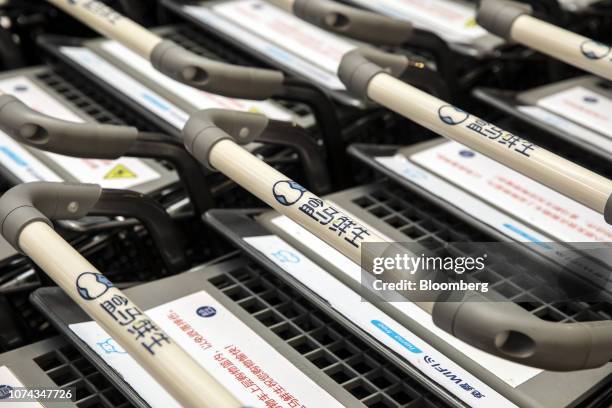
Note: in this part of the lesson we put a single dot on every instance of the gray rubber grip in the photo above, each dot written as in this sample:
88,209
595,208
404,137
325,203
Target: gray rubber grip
359,66
214,76
608,210
497,16
509,331
35,129
43,201
355,23
206,128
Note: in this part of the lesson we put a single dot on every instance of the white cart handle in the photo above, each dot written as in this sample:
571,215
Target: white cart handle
172,59
512,21
363,77
25,212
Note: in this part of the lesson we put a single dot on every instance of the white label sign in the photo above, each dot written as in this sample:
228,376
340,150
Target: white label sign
22,164
454,21
122,173
383,328
127,85
600,141
8,381
280,36
523,198
581,105
576,5
461,199
199,99
227,348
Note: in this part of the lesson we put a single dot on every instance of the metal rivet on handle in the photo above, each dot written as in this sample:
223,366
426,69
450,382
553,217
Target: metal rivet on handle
244,133
73,207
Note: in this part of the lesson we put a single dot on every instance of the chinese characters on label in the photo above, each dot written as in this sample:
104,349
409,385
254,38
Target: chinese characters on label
142,328
288,193
271,393
329,216
454,377
454,116
502,137
102,10
197,338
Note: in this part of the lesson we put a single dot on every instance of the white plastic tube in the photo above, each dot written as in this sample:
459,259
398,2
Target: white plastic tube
574,49
168,363
562,175
112,24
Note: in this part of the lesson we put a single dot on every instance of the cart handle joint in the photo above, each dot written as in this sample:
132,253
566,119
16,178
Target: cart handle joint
353,22
507,330
38,130
360,65
498,16
213,76
43,201
206,128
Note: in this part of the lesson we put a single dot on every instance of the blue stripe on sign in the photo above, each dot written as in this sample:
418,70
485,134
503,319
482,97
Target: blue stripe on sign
14,156
155,101
526,235
396,336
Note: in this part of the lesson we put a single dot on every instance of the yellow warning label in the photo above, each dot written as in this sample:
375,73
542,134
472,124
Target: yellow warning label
120,172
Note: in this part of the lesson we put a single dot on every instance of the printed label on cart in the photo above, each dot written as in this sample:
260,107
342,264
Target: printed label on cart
83,170
22,164
510,202
575,130
583,106
461,199
529,201
9,382
199,99
454,21
227,348
280,36
127,85
382,327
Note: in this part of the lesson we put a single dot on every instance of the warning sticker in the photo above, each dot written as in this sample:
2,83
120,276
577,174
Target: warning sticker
120,172
123,173
83,170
